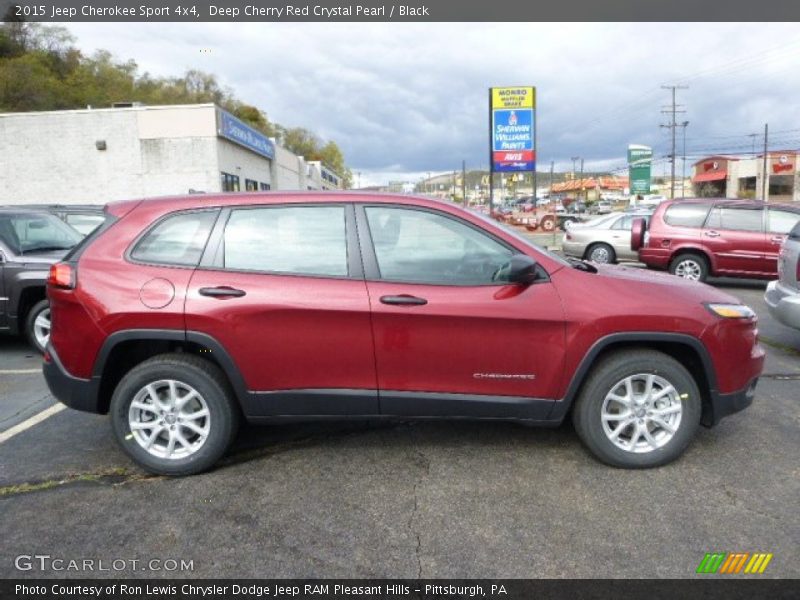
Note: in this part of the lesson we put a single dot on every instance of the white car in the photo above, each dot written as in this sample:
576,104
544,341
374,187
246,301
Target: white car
606,239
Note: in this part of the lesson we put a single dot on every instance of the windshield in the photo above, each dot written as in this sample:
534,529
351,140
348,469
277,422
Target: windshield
525,240
26,233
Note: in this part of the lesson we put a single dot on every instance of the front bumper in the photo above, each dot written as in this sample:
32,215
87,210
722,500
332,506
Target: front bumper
783,304
80,394
723,405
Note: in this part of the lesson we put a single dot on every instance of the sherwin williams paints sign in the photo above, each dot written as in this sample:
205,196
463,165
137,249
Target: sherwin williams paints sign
639,160
513,127
236,131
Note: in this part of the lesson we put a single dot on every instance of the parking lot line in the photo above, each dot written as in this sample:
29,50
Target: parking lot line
28,423
19,371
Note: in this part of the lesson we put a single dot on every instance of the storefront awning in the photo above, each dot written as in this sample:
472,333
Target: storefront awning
715,176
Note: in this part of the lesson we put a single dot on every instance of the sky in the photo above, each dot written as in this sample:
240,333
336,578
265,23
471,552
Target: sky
403,100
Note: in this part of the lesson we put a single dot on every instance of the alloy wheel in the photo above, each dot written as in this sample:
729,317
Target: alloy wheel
169,419
641,413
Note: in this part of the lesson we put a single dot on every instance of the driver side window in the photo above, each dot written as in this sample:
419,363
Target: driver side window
418,246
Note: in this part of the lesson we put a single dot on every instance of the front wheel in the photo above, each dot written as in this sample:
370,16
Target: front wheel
174,414
638,409
37,325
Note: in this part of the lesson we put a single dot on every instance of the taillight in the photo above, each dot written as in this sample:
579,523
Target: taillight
62,275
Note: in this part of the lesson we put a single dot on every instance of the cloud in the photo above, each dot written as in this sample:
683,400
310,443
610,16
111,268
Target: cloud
406,99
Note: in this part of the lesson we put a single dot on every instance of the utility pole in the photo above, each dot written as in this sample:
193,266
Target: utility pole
574,160
672,125
765,177
683,166
552,169
580,183
464,181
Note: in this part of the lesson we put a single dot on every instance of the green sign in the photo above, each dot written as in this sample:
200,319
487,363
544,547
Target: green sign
639,159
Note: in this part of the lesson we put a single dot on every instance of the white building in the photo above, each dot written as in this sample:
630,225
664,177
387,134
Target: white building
100,155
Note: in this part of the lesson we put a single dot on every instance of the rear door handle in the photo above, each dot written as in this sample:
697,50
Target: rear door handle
403,300
778,239
222,291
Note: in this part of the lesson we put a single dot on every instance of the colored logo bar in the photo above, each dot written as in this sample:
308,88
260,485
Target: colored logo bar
732,563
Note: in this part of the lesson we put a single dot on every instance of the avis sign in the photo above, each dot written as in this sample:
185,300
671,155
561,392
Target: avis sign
513,127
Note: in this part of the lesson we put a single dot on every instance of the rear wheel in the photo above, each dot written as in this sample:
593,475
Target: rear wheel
601,253
174,414
638,409
37,325
690,266
548,223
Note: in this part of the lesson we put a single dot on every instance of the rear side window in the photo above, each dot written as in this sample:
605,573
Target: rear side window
177,240
686,215
781,221
299,240
794,234
736,219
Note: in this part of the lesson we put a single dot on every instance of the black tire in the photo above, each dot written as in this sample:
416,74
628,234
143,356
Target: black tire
690,265
40,309
605,377
601,253
201,375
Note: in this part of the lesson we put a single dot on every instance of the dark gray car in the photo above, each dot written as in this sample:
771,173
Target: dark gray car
783,296
30,241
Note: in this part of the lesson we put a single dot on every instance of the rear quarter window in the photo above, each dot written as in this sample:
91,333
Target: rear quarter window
686,215
177,240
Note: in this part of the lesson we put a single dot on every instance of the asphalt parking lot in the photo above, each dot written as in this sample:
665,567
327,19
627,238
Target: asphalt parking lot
433,499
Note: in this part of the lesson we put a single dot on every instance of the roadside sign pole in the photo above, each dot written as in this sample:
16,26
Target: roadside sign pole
491,156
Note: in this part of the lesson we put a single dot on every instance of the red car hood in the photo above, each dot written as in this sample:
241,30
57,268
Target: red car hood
672,284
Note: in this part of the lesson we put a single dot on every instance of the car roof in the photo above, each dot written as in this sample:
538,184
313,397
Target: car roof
736,202
188,201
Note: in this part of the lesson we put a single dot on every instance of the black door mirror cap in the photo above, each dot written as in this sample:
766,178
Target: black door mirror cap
524,270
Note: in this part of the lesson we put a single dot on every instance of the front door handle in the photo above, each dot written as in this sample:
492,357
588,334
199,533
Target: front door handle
712,234
222,291
403,300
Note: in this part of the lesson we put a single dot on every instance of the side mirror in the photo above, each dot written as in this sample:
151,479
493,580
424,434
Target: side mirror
522,269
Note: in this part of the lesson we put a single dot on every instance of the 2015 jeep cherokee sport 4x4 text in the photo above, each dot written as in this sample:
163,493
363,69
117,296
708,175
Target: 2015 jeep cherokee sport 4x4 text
179,316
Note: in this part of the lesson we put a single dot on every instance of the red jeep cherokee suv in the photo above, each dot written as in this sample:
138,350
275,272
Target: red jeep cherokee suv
699,237
180,316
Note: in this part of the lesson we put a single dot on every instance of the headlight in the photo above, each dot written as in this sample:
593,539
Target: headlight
731,311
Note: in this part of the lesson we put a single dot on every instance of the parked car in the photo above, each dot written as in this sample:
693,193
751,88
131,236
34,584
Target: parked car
285,306
83,218
604,207
605,239
30,241
699,237
783,296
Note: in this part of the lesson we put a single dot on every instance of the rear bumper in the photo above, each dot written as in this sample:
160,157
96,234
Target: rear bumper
723,405
80,394
783,304
573,249
655,258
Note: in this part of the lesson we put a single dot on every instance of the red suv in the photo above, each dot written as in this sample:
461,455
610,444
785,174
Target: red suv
179,316
720,237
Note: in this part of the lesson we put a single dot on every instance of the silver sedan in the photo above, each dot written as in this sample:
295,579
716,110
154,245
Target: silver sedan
606,239
783,296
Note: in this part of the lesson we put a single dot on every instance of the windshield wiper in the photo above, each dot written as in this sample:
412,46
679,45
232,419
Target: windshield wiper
582,265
